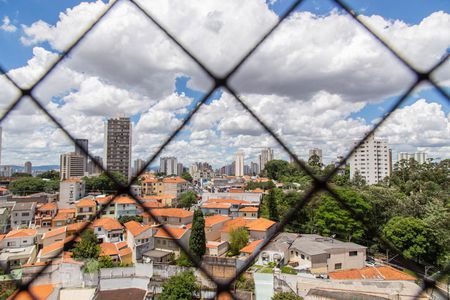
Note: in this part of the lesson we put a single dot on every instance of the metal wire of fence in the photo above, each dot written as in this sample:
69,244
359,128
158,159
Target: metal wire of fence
318,184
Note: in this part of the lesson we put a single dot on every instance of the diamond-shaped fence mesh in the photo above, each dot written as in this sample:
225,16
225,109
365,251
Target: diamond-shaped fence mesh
318,184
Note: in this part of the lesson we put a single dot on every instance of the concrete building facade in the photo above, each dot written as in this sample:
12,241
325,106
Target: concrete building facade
117,146
72,165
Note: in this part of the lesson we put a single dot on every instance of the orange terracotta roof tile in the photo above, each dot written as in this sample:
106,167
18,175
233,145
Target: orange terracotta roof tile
158,197
251,247
108,249
125,251
86,203
52,248
39,292
54,232
174,180
125,200
107,223
249,209
152,204
48,206
260,224
257,190
236,191
76,226
150,180
104,200
232,201
372,273
234,224
136,228
121,245
21,233
212,220
172,212
216,205
176,232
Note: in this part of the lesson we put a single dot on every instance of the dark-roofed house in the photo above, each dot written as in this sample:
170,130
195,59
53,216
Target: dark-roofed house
322,254
22,214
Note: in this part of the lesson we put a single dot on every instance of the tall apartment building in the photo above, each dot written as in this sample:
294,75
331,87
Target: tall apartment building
265,156
28,167
420,157
138,165
71,165
84,143
93,168
239,164
118,146
318,152
168,165
372,160
70,190
180,169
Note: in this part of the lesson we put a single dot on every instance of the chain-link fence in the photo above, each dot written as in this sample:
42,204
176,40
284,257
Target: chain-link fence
318,184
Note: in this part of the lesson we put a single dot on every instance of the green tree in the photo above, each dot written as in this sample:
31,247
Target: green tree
276,168
183,260
238,240
187,199
197,240
413,237
272,205
103,183
182,286
286,296
20,174
88,247
27,185
106,261
51,174
314,161
186,176
330,217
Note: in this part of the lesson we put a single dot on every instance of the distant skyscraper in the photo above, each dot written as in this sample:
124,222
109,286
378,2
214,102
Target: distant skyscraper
179,169
239,164
93,168
168,165
138,165
118,146
254,168
84,145
265,156
28,167
420,157
371,160
318,152
71,165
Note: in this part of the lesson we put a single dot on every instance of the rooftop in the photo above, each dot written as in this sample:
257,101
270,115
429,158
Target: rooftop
86,203
21,233
373,273
24,206
260,224
171,212
212,220
249,209
176,232
251,247
48,206
39,292
136,228
313,244
107,223
54,232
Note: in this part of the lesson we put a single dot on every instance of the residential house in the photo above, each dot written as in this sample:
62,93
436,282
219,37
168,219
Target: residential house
165,242
18,248
250,248
151,186
119,252
165,199
125,206
231,225
53,236
64,217
277,250
261,228
85,209
174,186
51,251
322,254
172,216
248,212
213,208
22,214
139,238
45,214
108,230
213,225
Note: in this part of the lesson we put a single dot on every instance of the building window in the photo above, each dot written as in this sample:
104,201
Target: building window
302,256
353,253
338,266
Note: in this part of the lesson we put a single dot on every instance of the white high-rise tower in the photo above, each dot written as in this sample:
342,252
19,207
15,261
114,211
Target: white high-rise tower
239,164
